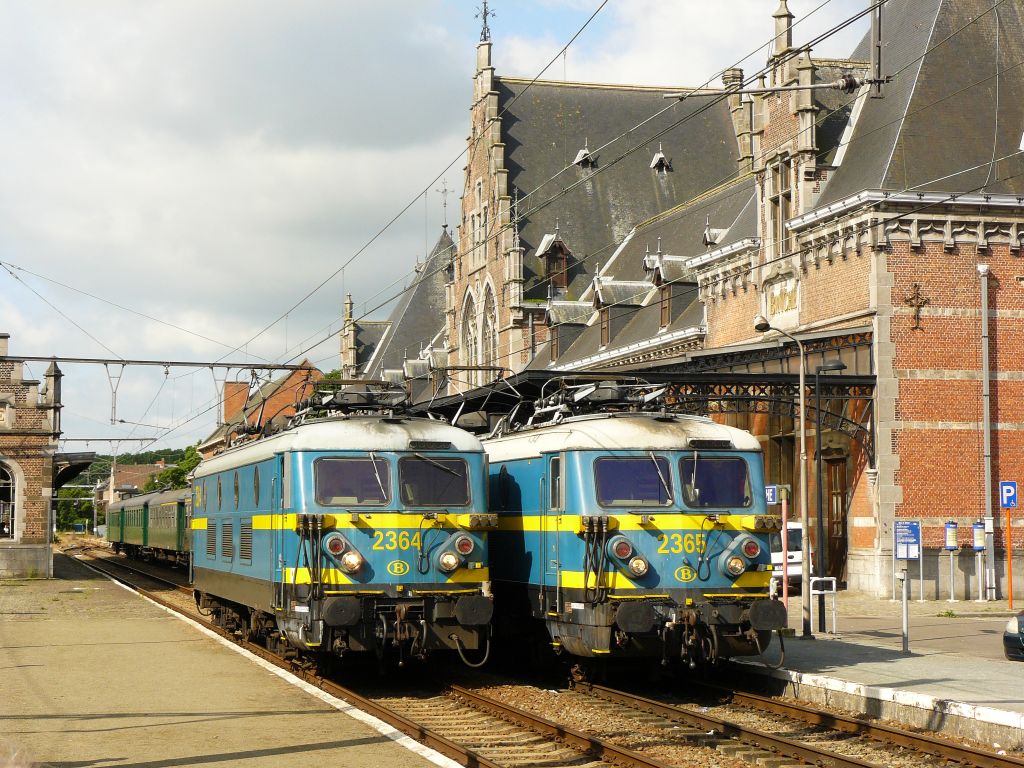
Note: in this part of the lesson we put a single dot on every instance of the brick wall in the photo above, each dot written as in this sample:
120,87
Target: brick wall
27,457
938,429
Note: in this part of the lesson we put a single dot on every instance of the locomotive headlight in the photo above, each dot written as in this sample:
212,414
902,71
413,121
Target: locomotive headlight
448,561
735,565
351,561
464,545
621,548
638,566
751,548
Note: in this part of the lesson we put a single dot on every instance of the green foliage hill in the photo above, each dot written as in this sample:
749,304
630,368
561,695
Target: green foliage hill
177,475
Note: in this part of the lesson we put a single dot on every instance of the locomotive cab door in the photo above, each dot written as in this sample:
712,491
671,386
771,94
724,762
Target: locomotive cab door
275,541
552,505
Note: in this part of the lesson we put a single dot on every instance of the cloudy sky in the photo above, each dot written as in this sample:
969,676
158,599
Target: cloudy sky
209,163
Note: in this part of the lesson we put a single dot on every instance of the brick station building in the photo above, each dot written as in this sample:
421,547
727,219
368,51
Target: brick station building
31,468
869,228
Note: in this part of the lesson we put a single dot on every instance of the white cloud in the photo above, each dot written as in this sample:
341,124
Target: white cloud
211,162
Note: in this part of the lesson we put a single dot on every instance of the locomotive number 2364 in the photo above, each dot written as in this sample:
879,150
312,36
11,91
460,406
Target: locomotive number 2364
392,540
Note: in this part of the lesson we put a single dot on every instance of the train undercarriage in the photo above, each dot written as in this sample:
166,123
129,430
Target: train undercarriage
396,631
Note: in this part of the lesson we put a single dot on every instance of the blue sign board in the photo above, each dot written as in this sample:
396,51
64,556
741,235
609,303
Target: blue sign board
1007,494
907,538
771,494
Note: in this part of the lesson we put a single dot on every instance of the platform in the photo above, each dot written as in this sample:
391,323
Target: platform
955,678
94,675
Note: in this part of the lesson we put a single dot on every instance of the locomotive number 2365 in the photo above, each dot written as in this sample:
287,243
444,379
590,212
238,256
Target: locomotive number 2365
676,543
392,540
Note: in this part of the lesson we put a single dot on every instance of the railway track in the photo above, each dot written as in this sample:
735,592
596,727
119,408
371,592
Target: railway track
456,730
102,553
476,728
815,746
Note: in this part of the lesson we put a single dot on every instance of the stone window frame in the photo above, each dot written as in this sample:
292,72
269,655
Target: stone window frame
469,336
8,516
489,329
779,204
665,304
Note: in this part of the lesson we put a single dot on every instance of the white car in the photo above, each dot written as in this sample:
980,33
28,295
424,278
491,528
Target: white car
794,554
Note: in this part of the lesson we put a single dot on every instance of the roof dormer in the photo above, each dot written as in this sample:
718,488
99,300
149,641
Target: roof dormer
659,162
583,158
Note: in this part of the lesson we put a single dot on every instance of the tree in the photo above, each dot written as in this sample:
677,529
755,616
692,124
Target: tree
176,476
74,505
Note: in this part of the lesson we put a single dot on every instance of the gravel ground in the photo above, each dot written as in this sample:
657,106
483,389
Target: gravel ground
585,714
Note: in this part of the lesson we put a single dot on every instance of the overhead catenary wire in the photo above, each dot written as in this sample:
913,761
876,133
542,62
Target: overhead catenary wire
408,205
791,255
898,72
715,100
476,140
328,339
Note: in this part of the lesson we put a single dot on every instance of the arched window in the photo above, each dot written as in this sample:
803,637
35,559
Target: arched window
489,335
470,342
6,503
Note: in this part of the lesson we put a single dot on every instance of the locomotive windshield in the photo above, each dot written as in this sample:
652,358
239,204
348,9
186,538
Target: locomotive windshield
640,481
349,481
433,482
715,481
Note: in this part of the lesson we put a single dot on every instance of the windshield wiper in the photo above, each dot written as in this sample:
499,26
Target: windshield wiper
376,474
437,464
664,482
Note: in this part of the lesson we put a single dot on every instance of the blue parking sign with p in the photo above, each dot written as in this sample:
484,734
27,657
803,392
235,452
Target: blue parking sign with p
1007,494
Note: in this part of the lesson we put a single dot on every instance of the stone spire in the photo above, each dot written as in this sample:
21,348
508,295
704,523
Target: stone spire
783,28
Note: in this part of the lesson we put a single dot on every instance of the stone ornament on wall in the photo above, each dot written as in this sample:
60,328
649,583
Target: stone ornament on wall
781,300
918,302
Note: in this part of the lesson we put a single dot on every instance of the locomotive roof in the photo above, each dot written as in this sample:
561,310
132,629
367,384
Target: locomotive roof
617,432
156,497
354,433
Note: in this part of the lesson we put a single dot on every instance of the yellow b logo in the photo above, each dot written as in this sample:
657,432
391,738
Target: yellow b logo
685,573
398,568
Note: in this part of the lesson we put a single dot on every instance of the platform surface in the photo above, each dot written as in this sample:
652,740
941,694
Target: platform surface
956,651
93,675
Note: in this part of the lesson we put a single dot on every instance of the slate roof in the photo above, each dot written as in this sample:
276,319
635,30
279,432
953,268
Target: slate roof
544,130
730,207
681,229
939,115
419,315
571,312
834,107
621,292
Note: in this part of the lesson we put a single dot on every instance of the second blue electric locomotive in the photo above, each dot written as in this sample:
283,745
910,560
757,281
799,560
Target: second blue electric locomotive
629,531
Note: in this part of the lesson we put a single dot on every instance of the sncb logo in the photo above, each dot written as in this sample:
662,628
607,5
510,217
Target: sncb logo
398,568
685,573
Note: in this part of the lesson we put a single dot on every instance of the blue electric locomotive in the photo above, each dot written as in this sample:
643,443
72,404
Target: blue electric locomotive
630,531
354,529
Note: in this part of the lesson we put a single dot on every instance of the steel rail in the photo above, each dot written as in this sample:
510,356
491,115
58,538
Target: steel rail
132,569
920,742
775,744
426,736
576,739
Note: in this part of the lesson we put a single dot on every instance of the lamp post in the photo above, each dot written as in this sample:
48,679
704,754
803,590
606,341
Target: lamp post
761,325
831,365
